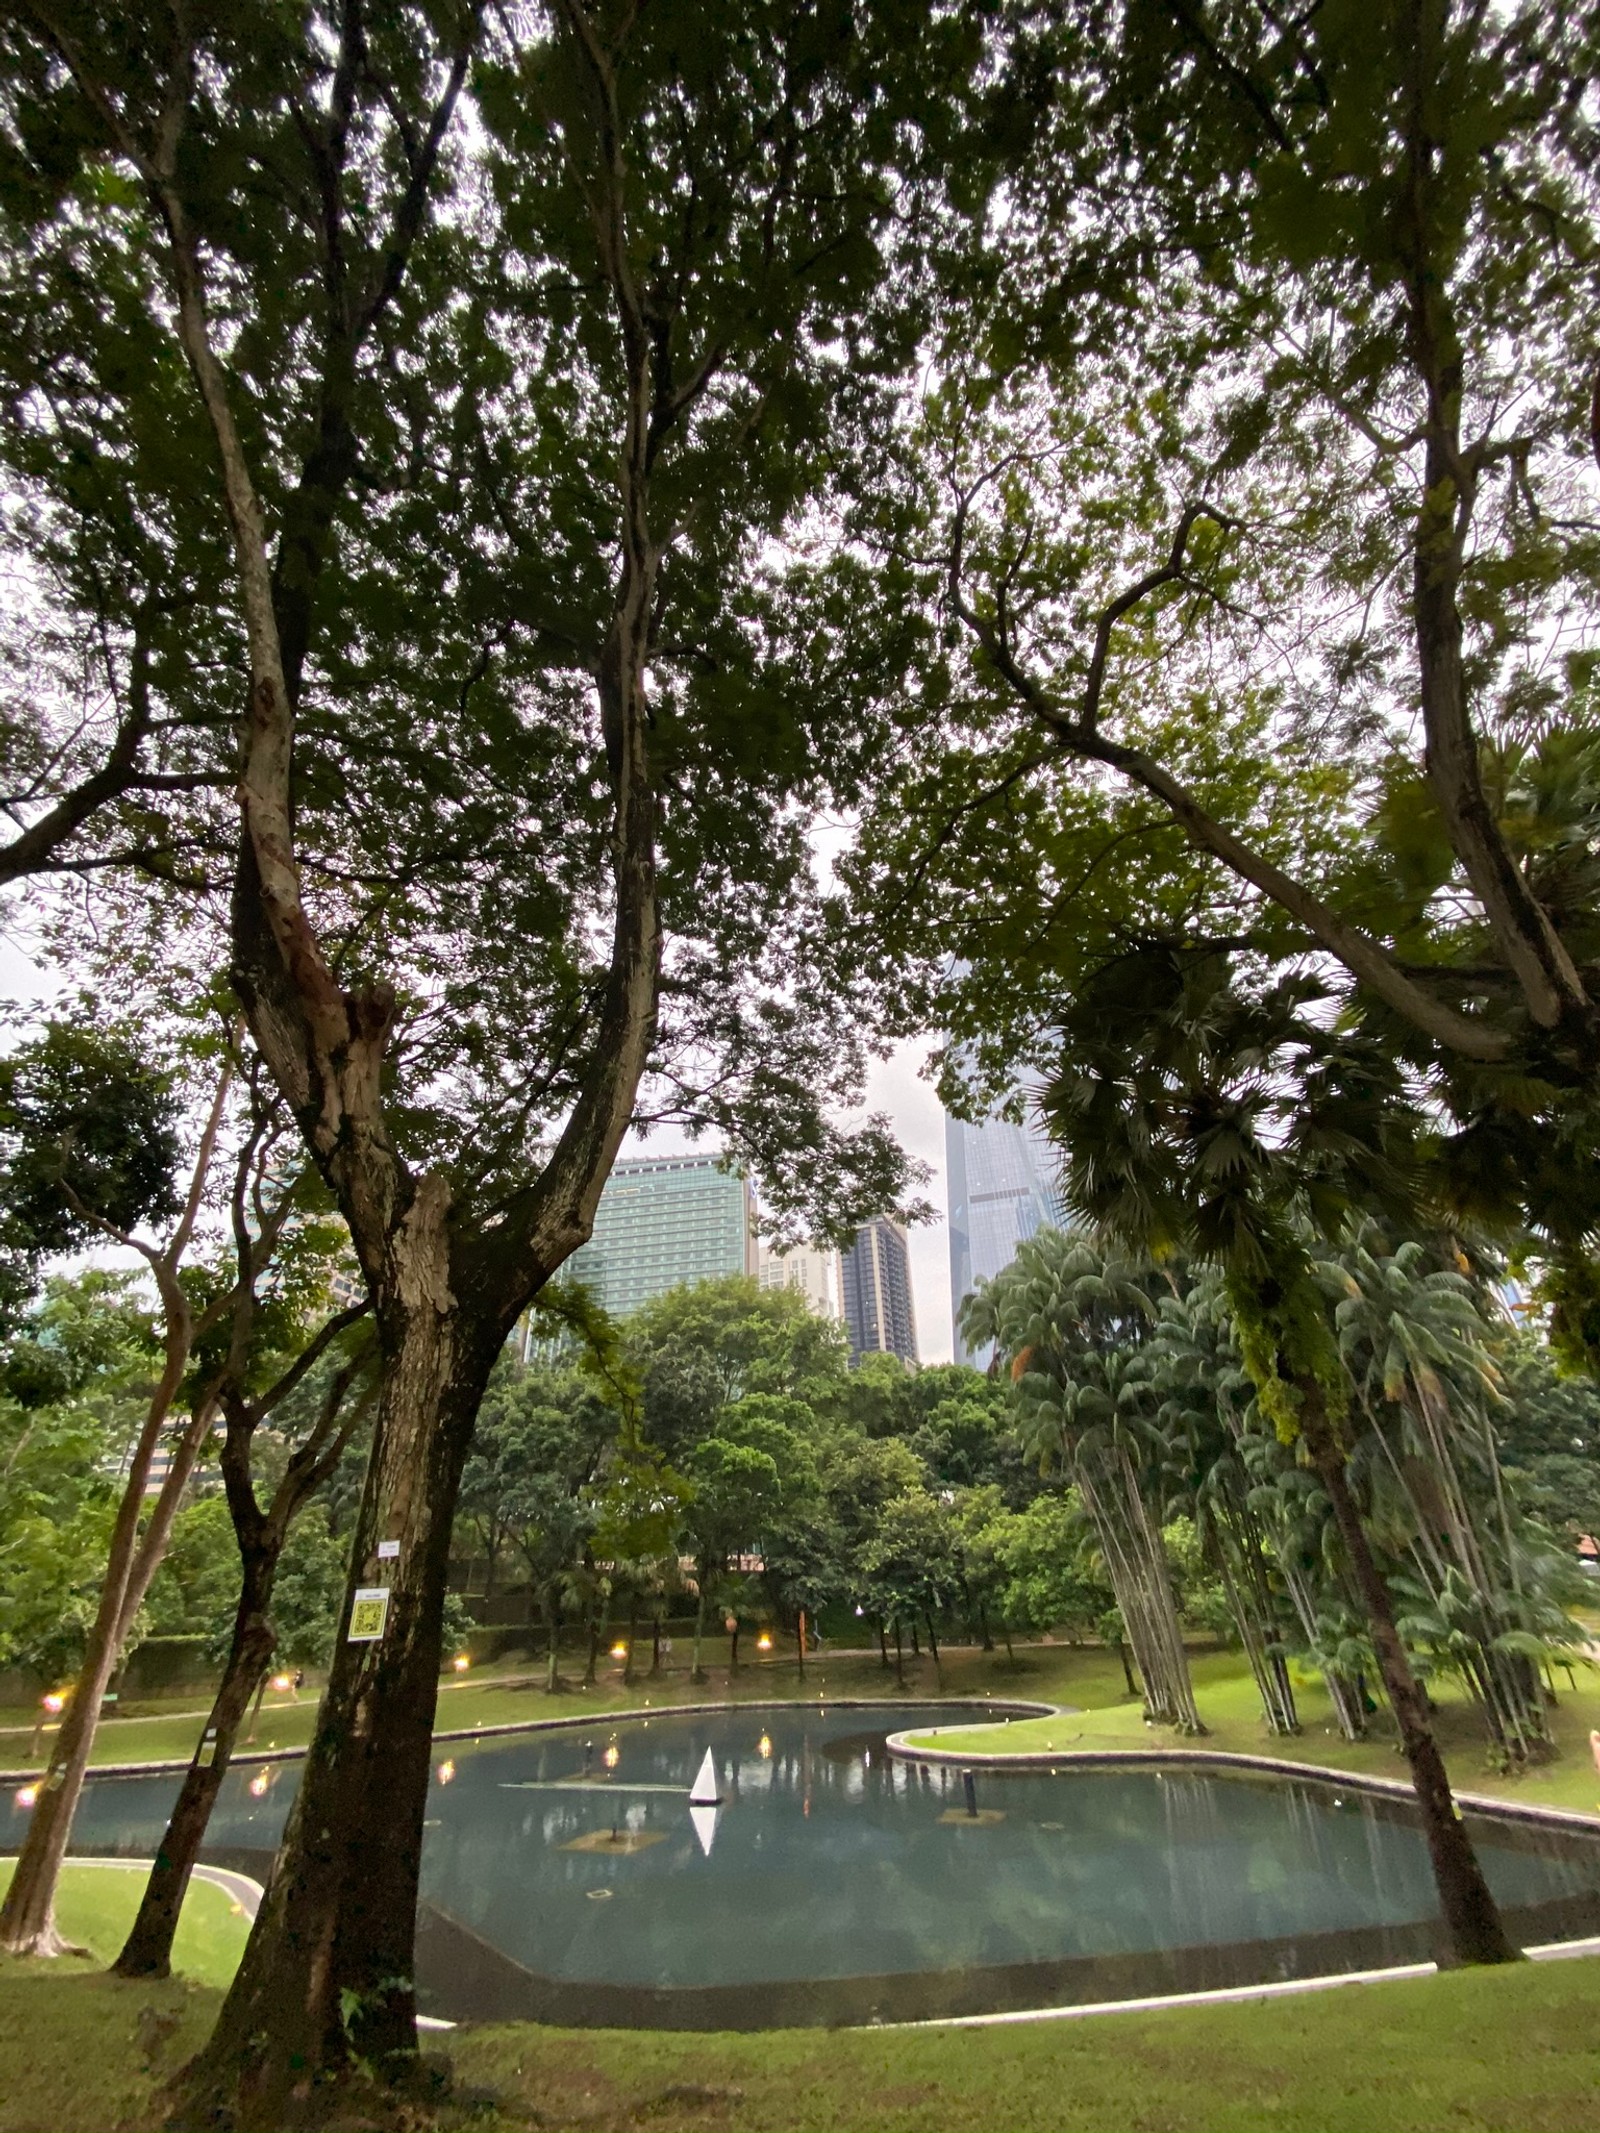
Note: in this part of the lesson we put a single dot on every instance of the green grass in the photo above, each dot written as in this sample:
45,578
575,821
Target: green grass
95,1906
1510,2051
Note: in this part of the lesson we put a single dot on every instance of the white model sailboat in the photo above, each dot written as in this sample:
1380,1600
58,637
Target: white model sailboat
704,1800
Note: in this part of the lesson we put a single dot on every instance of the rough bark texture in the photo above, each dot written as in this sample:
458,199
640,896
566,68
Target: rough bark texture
147,1952
1474,1930
327,1975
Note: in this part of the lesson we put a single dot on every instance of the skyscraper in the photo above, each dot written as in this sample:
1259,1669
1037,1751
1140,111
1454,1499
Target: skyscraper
663,1220
810,1268
1002,1188
877,1292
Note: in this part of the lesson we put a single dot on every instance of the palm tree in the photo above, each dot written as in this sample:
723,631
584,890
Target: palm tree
1207,1113
1071,1319
1415,1341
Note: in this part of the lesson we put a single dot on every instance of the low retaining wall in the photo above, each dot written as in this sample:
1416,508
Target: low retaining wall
900,1746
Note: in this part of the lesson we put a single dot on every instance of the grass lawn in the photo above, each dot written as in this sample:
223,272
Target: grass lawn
95,1906
1503,2051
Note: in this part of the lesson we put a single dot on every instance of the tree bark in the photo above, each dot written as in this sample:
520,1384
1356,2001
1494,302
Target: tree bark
147,1952
326,1978
696,1670
1474,1929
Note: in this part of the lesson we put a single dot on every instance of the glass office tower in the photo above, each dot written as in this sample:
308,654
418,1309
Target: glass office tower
1001,1182
663,1220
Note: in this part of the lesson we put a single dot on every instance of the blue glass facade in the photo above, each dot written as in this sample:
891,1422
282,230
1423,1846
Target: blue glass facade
1001,1184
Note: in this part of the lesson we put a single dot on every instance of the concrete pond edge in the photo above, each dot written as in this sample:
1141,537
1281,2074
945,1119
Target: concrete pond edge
902,1747
176,1765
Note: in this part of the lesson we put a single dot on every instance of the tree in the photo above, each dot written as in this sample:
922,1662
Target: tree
910,1566
1041,1578
737,1485
1072,1319
1200,1117
88,1144
74,1378
716,379
699,1348
139,1530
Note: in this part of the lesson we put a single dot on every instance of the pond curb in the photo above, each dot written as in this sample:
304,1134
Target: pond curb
174,1765
900,1746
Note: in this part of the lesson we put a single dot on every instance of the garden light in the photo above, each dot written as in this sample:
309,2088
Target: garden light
612,1756
764,1748
446,1772
259,1784
27,1795
764,1642
461,1662
56,1702
619,1651
282,1682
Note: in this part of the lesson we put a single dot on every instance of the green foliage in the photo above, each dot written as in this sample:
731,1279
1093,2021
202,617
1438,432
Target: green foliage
1043,1582
88,1142
309,1593
73,1373
196,1590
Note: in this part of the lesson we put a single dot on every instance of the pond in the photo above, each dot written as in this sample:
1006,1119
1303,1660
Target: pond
566,1877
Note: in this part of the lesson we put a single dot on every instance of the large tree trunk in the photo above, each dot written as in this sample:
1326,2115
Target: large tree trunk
326,1979
147,1951
1473,1925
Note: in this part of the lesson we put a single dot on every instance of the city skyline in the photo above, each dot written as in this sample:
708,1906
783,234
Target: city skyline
664,1220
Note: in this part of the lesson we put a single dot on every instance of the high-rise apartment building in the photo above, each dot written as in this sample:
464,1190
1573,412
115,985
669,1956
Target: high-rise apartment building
810,1268
876,1282
1001,1183
664,1220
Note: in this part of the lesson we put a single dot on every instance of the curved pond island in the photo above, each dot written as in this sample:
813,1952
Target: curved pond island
568,1878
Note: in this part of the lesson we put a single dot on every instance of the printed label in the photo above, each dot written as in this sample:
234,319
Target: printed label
369,1614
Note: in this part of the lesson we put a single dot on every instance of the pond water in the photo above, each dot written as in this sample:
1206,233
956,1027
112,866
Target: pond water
835,1883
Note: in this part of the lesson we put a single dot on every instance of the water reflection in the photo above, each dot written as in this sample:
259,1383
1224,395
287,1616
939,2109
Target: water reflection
827,1859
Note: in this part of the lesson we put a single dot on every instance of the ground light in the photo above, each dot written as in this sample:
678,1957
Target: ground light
461,1662
619,1651
764,1642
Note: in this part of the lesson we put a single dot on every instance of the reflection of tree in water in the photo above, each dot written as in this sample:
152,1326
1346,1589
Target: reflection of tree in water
1197,1850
